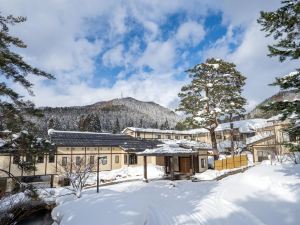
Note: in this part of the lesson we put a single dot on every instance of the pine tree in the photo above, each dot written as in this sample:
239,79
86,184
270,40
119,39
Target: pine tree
180,126
116,128
14,68
13,109
166,125
141,123
96,124
283,25
210,95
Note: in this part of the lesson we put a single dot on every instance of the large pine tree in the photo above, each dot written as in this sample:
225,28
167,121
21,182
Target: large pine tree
13,109
215,91
283,26
14,69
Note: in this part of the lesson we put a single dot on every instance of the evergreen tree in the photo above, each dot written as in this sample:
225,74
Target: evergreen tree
180,126
116,128
155,125
13,109
53,123
96,124
210,94
13,68
141,123
166,125
130,124
283,25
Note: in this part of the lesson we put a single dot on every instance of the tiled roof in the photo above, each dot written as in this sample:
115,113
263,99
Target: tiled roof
88,139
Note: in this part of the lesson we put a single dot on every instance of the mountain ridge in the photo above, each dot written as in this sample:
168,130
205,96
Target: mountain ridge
107,116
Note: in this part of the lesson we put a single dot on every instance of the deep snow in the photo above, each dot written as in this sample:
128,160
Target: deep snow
264,194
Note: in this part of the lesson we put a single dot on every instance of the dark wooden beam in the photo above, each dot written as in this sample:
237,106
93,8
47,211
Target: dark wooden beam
172,167
145,169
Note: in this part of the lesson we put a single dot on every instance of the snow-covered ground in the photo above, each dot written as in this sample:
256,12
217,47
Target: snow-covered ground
126,173
264,194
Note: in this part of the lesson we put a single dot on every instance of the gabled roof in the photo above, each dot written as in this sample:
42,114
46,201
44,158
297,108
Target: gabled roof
259,137
90,139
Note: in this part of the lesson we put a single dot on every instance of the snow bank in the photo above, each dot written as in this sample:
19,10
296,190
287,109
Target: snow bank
263,194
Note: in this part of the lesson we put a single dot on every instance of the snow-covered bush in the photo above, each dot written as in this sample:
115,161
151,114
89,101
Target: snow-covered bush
77,173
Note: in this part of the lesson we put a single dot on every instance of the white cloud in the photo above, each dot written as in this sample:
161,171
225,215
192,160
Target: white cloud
160,88
114,57
252,60
190,32
160,56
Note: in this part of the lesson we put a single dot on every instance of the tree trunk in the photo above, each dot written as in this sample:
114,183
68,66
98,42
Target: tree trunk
213,139
231,135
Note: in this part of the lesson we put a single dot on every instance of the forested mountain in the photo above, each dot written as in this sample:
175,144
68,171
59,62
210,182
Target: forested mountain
107,116
257,112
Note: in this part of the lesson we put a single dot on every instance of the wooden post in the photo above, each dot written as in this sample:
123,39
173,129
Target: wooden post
51,180
145,169
98,162
192,164
172,167
166,164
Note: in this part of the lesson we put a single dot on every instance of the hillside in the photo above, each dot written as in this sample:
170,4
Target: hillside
107,116
280,96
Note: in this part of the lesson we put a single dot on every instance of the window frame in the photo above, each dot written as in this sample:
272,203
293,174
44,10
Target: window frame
117,159
64,161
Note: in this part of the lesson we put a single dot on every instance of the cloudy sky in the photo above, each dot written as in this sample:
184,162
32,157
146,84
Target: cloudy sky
99,50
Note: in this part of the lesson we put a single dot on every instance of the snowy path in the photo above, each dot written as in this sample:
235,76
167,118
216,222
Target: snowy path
262,195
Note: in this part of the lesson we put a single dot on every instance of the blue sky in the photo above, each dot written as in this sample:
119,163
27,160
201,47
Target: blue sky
99,50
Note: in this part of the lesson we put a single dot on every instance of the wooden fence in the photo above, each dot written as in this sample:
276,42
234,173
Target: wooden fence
231,162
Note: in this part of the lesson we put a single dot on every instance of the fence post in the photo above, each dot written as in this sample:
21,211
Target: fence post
241,160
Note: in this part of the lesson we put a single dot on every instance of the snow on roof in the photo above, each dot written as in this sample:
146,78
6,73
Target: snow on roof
2,142
259,137
274,118
244,126
52,131
150,130
176,147
224,145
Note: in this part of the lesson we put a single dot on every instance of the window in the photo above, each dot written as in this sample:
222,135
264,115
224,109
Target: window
159,136
64,161
51,158
218,136
82,148
72,148
117,159
92,160
16,159
202,163
186,137
78,160
132,159
68,148
125,159
40,158
103,160
87,148
138,134
168,136
177,137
